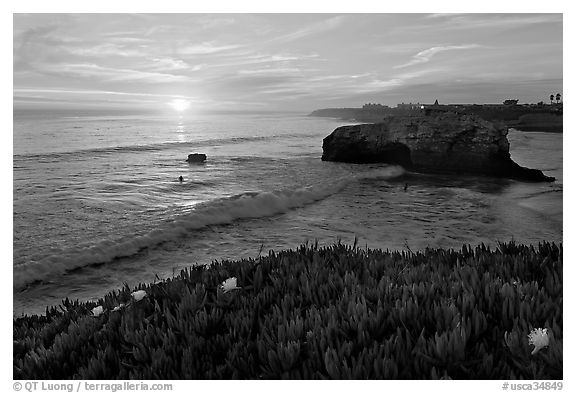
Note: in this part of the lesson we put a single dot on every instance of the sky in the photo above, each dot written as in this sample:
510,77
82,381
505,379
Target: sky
273,62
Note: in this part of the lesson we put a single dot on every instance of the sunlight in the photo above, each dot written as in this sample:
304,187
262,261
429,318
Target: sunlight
179,105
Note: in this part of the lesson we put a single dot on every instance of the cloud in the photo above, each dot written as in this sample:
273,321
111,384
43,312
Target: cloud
172,64
443,15
315,28
242,59
377,84
307,59
91,101
109,74
268,71
122,39
94,97
32,92
348,85
34,44
205,48
278,58
106,50
425,55
485,21
341,77
217,22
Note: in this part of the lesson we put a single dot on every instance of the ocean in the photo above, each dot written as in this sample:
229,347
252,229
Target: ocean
98,203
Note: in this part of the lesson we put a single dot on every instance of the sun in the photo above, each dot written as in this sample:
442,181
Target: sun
179,104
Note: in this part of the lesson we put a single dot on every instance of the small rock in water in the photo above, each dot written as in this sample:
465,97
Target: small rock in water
196,157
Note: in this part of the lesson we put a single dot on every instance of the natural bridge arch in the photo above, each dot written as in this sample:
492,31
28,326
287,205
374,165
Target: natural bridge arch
396,153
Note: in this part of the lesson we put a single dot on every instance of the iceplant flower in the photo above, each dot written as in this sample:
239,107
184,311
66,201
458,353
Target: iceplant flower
118,307
97,311
539,338
230,284
138,295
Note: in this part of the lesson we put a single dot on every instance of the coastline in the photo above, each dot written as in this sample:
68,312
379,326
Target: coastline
521,119
333,312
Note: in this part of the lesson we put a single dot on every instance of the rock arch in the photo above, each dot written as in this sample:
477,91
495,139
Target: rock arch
396,153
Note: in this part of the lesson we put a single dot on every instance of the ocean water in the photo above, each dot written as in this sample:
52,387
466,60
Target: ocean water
97,201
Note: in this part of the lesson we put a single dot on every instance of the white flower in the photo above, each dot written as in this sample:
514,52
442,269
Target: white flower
538,338
96,311
230,284
138,295
118,307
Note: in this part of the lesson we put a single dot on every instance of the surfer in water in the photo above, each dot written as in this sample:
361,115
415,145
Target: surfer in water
181,179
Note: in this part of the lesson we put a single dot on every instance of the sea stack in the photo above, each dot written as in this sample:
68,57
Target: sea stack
442,142
196,157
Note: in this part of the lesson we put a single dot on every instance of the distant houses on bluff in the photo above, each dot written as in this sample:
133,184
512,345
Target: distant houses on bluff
527,117
555,106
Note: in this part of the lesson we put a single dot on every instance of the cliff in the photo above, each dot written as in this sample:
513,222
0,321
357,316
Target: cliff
441,143
546,122
521,117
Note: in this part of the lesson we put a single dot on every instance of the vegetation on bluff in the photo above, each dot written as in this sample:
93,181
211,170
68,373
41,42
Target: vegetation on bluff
544,118
334,312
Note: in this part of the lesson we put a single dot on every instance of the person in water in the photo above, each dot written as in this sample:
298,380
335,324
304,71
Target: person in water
405,186
181,179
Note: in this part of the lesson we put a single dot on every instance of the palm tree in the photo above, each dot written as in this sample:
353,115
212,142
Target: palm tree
551,99
558,96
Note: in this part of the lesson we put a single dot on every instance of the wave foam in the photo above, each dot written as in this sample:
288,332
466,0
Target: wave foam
216,212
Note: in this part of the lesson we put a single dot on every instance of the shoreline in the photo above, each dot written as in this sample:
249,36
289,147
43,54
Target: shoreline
314,313
521,119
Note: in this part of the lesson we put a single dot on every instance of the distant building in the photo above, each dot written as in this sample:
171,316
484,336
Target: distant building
409,106
510,102
371,106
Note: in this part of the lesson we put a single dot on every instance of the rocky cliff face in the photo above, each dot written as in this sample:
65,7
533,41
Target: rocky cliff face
445,142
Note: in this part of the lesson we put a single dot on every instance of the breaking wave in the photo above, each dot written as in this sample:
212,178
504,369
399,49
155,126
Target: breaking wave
216,212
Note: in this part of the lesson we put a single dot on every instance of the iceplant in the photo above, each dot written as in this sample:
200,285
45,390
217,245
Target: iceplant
97,311
138,295
230,284
539,338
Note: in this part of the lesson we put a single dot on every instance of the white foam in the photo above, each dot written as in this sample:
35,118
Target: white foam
216,212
